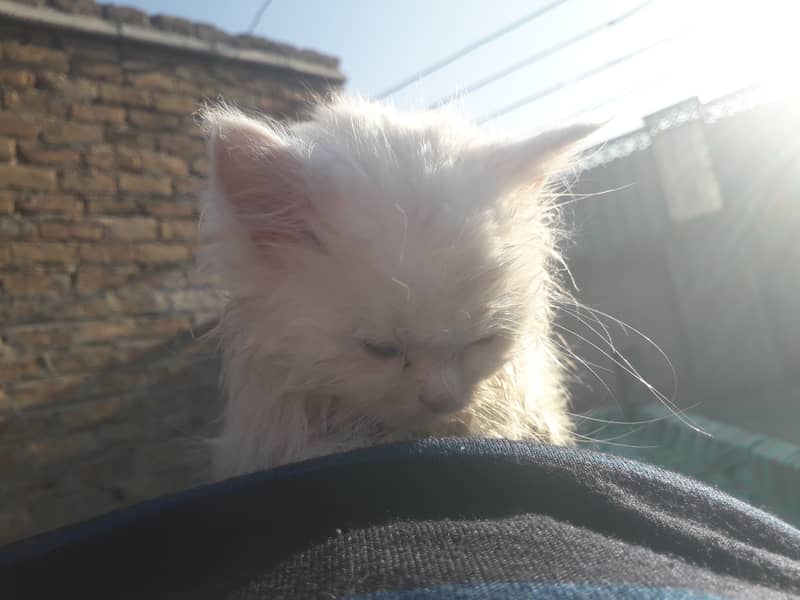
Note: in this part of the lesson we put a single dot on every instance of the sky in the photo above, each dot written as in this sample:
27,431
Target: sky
718,46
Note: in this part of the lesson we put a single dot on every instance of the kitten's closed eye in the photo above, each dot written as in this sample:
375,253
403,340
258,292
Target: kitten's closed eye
380,350
485,341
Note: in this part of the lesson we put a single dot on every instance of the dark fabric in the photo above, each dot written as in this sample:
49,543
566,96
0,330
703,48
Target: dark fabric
435,519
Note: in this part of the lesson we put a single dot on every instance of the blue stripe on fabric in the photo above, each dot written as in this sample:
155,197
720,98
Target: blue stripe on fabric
536,591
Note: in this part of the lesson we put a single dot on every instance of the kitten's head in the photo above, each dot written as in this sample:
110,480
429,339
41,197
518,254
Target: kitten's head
392,261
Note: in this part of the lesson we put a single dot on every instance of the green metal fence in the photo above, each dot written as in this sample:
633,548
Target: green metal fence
758,469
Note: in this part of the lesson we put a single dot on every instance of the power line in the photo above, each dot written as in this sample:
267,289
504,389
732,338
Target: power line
469,48
257,17
578,114
538,56
585,75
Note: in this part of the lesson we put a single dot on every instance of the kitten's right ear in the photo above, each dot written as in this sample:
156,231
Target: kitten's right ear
530,161
256,173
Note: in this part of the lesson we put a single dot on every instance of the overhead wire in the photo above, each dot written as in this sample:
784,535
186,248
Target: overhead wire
538,56
422,73
578,78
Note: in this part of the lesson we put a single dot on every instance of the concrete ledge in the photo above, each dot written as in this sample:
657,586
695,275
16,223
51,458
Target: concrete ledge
134,33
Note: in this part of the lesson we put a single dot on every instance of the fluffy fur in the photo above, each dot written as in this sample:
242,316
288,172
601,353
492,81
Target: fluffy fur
388,277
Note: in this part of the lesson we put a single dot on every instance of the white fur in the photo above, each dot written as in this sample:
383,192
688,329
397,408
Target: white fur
410,229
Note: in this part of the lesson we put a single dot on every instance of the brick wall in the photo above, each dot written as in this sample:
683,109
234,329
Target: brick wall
105,390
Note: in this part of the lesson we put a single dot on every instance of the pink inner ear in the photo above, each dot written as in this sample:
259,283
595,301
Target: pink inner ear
260,179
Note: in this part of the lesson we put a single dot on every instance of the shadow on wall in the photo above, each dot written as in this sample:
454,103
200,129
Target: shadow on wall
111,412
104,389
696,247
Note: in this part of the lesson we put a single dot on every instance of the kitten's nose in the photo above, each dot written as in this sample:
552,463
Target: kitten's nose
443,403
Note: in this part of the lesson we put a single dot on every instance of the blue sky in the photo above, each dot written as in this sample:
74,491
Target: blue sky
380,42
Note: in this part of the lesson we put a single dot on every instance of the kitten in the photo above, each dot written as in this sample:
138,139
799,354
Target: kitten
388,277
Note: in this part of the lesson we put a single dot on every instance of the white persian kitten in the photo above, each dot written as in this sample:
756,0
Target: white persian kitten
388,277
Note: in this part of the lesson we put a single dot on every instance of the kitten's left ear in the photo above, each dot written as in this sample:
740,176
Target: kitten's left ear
530,161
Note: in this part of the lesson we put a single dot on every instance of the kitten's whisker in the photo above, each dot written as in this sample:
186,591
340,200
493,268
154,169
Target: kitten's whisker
405,233
655,346
404,286
591,370
628,368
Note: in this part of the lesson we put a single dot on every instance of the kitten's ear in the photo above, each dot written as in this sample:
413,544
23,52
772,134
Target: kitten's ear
530,161
256,173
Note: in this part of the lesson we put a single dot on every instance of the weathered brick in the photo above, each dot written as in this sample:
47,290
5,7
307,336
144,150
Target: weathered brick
191,300
107,254
131,229
165,279
121,432
86,308
30,282
67,87
100,157
175,104
90,49
6,202
98,113
54,449
134,137
44,155
171,208
15,427
173,24
163,253
200,166
139,301
80,7
153,120
125,95
89,358
178,230
134,159
35,102
17,229
92,358
65,132
181,145
90,279
18,78
210,33
34,55
43,253
21,368
145,184
112,205
190,185
155,80
92,182
7,149
126,14
22,177
53,204
71,230
160,326
91,413
18,126
37,393
54,335
98,71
